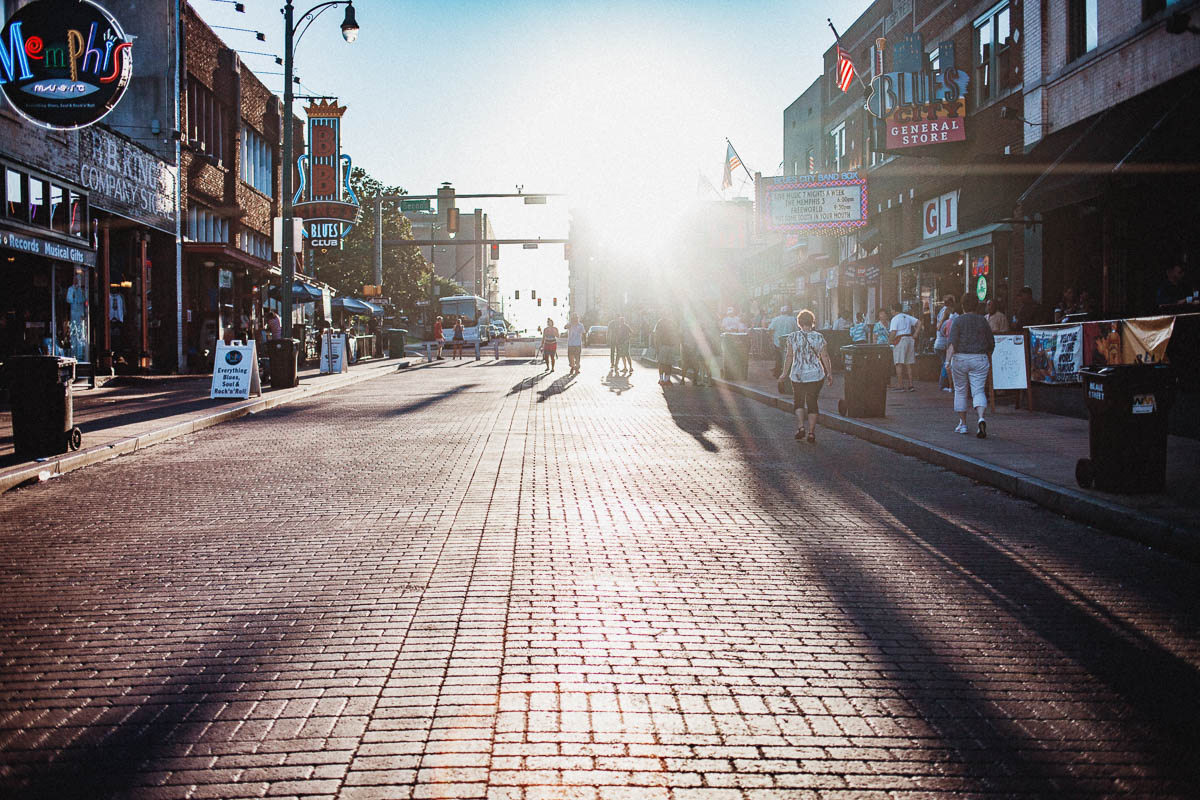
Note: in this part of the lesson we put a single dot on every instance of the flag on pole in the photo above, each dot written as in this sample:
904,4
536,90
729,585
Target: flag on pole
732,162
845,70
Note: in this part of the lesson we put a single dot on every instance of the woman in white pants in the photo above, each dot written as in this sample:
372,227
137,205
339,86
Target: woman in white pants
971,346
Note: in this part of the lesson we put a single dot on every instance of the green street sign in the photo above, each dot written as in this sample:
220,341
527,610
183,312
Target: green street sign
414,205
981,288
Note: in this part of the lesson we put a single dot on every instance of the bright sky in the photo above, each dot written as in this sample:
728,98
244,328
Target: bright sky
620,104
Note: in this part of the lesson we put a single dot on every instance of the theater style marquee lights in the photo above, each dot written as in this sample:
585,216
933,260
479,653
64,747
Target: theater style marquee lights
64,64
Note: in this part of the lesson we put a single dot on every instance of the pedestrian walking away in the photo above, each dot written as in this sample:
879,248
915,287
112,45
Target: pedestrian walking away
781,326
574,343
439,338
624,336
946,315
971,346
458,337
613,348
549,345
807,361
666,346
904,329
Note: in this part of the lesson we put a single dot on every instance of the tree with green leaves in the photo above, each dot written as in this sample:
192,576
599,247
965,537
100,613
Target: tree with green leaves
405,271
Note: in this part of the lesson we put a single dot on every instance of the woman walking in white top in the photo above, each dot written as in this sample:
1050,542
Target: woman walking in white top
807,360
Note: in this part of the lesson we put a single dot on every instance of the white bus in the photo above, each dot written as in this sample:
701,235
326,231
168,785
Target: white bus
476,317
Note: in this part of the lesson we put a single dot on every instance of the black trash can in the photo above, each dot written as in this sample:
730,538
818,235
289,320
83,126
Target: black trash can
1128,407
395,339
284,355
868,368
42,405
735,355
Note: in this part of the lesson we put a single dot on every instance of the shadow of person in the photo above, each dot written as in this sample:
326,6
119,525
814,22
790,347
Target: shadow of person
558,387
617,384
527,383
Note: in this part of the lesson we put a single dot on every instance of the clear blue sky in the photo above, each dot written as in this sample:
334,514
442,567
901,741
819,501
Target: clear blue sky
620,104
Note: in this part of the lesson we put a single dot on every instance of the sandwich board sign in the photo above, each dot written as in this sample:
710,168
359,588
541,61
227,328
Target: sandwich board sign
333,353
1008,363
235,371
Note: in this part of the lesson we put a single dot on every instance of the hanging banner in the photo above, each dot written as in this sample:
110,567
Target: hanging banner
64,65
1144,340
235,371
1008,363
1056,353
325,200
333,353
1102,343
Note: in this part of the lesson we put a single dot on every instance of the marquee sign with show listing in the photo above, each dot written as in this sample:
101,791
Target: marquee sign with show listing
325,200
918,105
64,64
830,203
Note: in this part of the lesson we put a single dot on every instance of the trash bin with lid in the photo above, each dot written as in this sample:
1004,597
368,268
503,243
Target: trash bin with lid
1128,407
395,339
42,405
284,355
867,371
735,355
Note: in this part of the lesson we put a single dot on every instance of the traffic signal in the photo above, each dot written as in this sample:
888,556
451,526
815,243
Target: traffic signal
555,301
495,252
566,251
533,294
516,294
452,220
539,303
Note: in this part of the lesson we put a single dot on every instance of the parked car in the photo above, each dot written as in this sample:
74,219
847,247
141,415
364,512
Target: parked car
597,334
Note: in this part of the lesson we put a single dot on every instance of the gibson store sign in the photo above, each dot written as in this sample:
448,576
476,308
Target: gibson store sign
64,64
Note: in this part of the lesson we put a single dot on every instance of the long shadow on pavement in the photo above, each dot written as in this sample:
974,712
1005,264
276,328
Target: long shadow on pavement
558,387
1003,738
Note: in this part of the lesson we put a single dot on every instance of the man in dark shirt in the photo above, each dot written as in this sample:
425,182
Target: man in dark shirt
1028,312
1175,289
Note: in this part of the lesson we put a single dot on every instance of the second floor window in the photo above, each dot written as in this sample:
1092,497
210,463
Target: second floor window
993,50
206,121
1083,30
255,244
837,148
258,162
205,226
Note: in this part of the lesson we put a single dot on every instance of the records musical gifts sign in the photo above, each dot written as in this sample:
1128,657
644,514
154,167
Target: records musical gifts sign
64,64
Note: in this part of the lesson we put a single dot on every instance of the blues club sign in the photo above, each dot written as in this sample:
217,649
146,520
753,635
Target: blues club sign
64,64
325,200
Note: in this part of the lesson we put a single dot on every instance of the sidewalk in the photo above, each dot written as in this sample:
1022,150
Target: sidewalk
130,413
1028,454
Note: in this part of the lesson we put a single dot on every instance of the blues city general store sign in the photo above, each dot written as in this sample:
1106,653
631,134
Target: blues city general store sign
325,200
64,64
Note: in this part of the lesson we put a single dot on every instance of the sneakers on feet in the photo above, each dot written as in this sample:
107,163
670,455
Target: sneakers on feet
947,389
981,431
962,428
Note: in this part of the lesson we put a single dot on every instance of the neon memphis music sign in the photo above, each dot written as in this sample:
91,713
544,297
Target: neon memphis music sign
64,64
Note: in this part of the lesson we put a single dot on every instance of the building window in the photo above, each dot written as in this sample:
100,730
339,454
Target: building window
255,244
1082,28
39,212
206,121
258,161
78,221
58,208
1152,7
993,50
205,226
935,59
837,147
16,204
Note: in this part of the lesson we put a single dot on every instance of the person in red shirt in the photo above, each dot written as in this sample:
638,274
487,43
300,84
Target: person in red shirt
439,341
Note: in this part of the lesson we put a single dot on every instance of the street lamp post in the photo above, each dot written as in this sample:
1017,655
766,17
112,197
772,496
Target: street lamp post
349,33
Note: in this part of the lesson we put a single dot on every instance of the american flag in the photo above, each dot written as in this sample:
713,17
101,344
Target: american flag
845,70
732,162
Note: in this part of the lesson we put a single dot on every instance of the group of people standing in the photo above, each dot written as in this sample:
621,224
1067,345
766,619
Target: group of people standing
439,337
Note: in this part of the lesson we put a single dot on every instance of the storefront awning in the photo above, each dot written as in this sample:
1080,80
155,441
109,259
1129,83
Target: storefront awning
301,292
951,244
353,306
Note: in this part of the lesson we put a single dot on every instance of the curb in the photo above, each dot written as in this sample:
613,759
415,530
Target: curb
1128,523
61,465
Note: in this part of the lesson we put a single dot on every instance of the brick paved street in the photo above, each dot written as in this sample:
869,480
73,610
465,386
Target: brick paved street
473,579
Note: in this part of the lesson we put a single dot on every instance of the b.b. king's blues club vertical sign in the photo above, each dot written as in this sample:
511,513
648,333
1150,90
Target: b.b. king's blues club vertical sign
325,200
